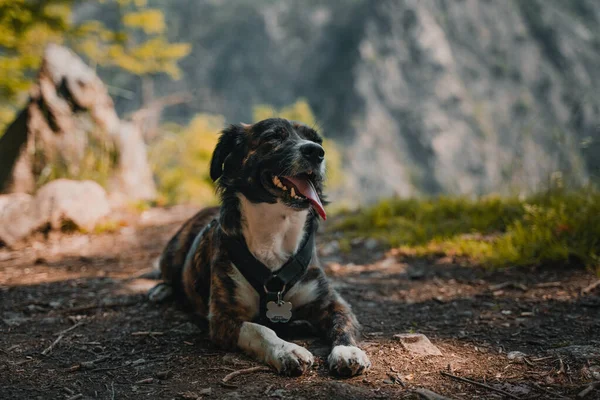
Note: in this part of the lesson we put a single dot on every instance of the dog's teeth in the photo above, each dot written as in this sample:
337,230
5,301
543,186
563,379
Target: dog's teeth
293,192
285,188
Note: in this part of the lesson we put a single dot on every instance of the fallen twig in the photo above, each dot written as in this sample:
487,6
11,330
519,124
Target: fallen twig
69,329
591,287
483,385
49,348
429,395
549,284
147,333
76,397
588,389
549,391
244,372
562,366
98,305
145,381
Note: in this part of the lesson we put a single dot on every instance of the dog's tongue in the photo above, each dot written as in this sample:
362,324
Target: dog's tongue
307,189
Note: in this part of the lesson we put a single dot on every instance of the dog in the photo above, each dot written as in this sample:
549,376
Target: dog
251,264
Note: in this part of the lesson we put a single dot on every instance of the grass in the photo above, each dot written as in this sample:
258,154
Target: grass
556,227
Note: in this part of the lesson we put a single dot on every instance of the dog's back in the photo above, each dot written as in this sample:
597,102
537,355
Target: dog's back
173,257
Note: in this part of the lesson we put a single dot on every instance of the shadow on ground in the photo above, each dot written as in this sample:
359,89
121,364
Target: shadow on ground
74,320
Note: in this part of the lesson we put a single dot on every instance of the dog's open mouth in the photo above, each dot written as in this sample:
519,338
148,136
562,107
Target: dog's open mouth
300,187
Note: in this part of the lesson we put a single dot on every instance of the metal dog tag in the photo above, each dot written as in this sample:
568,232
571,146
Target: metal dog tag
279,312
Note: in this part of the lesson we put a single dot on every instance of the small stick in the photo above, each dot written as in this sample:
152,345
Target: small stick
244,372
591,287
147,333
76,397
69,329
562,366
588,389
95,306
49,349
483,385
549,391
429,395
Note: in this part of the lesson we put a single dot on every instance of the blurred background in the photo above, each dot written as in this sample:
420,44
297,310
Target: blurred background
467,97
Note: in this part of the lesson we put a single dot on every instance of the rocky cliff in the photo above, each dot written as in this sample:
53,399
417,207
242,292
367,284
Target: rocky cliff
427,96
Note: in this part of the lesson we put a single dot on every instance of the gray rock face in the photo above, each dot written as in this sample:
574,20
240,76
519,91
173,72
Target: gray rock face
428,96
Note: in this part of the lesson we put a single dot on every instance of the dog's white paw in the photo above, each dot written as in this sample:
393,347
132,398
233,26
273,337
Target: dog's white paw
290,359
348,361
160,293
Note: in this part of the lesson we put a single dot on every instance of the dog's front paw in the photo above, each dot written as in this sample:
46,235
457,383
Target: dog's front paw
348,361
160,293
291,359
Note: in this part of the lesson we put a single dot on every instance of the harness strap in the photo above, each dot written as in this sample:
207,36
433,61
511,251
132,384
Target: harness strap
270,285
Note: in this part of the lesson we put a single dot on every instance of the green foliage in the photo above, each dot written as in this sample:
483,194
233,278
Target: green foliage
554,227
137,45
181,161
98,162
300,111
26,26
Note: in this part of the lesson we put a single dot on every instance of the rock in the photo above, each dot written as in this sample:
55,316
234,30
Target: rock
340,390
429,395
418,344
580,353
516,356
371,244
82,202
18,217
330,248
14,318
415,272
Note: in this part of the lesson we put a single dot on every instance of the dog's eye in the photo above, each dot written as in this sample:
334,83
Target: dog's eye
278,134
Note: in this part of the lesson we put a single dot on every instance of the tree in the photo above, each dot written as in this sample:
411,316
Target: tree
136,43
26,27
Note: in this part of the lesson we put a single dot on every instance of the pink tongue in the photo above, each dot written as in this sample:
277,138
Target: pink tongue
308,190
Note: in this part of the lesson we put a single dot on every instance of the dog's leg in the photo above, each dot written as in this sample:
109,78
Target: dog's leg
335,319
263,344
160,293
229,329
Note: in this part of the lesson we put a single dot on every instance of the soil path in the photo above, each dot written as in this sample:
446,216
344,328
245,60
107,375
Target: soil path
74,323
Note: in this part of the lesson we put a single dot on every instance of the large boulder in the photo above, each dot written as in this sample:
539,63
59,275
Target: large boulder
83,203
18,217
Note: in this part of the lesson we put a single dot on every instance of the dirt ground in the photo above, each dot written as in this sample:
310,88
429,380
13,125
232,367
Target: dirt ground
75,324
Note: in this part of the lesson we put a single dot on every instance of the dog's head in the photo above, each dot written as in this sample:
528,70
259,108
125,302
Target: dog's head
270,161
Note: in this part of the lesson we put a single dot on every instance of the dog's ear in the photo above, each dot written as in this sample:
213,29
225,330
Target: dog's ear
232,139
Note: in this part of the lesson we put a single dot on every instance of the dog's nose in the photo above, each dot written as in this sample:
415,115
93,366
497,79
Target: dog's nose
313,152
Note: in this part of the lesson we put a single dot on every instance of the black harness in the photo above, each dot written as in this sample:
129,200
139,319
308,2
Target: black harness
271,286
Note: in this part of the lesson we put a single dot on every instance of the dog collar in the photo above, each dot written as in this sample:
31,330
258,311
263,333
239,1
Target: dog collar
272,285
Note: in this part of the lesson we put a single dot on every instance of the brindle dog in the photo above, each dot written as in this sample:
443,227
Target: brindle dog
270,179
